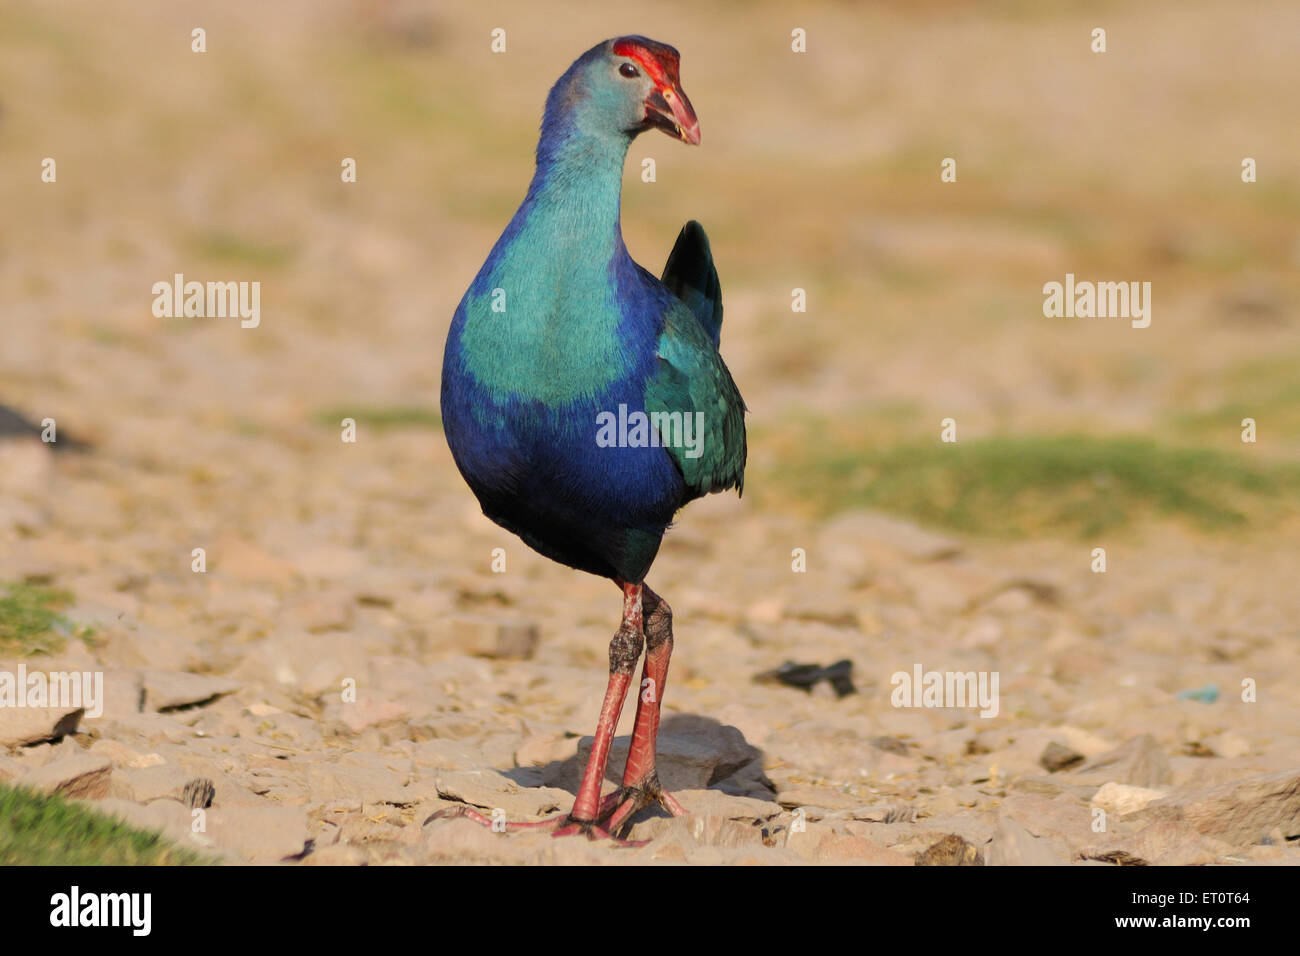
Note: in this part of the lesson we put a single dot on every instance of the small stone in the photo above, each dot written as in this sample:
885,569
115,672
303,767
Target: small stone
1140,763
890,745
261,834
516,642
1123,799
1058,757
321,612
1013,845
118,752
24,726
693,753
1239,813
156,783
1228,744
84,775
167,690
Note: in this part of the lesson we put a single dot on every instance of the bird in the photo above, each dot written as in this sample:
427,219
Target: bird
585,401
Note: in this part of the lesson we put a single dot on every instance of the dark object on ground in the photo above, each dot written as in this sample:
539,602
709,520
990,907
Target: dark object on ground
806,676
199,793
15,425
1058,757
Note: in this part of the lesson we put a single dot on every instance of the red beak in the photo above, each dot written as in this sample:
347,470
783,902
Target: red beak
670,110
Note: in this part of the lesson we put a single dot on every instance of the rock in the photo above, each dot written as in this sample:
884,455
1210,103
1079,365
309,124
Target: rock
83,775
1238,813
367,710
162,816
890,745
516,642
167,690
139,646
333,781
489,790
114,750
715,803
693,753
952,850
1013,845
1162,843
696,830
165,781
541,749
823,797
321,612
1123,799
153,728
23,726
341,854
448,755
264,834
454,840
904,537
1228,744
1057,757
1052,787
1140,762
246,563
123,693
11,768
843,847
485,636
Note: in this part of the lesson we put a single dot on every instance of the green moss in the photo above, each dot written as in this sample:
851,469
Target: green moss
1016,486
47,830
382,417
30,622
219,246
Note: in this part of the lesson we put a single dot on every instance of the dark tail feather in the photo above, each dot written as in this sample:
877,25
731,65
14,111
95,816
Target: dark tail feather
691,277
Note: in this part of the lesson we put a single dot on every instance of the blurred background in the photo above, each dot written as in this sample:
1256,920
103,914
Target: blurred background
818,171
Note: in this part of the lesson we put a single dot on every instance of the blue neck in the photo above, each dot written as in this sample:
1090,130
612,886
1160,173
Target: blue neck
576,190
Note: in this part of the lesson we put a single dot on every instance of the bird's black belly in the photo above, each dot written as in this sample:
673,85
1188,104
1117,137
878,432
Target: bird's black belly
618,553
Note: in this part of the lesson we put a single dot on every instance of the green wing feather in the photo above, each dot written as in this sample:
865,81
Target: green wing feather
692,378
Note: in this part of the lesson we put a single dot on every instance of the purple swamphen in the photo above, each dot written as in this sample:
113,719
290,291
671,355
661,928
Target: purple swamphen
584,400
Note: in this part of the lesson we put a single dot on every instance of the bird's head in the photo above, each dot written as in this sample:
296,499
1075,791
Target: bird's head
630,84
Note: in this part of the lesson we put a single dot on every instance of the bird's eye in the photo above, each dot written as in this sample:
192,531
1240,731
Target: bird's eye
628,70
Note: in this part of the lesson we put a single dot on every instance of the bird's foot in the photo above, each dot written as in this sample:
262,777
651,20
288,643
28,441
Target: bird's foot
617,809
563,824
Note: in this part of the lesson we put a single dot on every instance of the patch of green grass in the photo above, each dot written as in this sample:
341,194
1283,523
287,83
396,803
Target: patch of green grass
1277,414
1263,389
46,830
1016,486
30,622
382,418
219,246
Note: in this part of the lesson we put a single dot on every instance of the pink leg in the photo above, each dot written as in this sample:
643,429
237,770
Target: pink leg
640,779
588,810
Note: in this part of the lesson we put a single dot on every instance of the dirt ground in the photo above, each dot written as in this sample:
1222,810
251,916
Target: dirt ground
350,662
